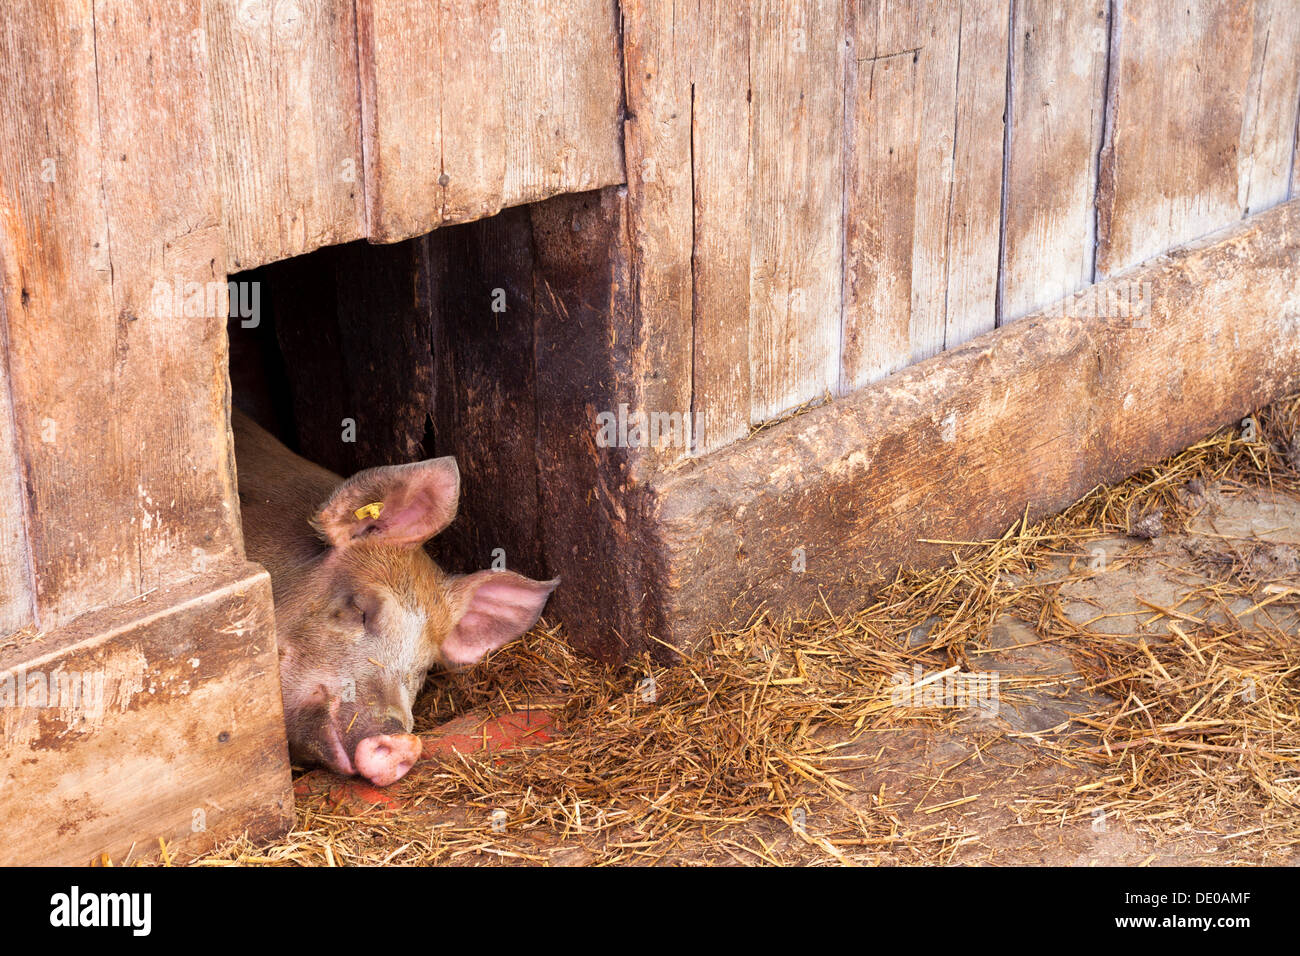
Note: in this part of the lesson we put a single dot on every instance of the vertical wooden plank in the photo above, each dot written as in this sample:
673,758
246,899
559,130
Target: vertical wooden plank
287,126
384,302
1169,167
353,322
481,104
881,141
796,209
1295,164
484,378
399,54
107,202
1058,88
16,609
592,495
935,174
471,109
975,217
300,298
959,190
1268,128
563,90
658,45
720,121
432,114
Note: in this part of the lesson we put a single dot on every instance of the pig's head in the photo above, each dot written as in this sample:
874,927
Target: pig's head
363,623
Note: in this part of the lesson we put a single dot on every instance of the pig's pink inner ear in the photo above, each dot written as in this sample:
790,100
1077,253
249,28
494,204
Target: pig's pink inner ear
491,608
403,505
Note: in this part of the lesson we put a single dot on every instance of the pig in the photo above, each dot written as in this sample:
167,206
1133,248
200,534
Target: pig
362,612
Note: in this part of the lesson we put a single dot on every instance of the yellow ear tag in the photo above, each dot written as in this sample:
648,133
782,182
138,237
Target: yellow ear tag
372,510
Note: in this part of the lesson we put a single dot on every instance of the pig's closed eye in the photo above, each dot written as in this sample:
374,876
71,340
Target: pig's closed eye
350,610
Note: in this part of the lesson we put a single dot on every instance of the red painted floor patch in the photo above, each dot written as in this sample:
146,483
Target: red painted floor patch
476,734
473,733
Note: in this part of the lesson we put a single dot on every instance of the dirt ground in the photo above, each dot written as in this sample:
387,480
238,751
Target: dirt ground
1116,685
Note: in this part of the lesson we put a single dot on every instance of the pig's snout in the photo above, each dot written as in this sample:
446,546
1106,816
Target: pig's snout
385,758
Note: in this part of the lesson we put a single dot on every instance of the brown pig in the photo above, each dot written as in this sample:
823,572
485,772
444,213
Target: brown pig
362,612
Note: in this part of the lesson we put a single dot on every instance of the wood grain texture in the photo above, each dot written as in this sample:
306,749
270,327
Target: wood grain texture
473,145
958,213
564,91
399,55
720,168
186,744
485,406
975,216
1058,83
353,324
1268,127
111,195
287,124
1169,167
1029,416
882,109
16,607
796,203
591,494
482,105
658,57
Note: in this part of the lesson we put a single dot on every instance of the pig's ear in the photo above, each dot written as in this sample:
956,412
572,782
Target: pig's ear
403,505
489,609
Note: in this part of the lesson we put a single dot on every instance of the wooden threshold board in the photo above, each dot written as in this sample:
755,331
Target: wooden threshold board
1030,416
167,725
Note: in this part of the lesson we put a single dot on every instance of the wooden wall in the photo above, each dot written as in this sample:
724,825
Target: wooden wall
337,121
121,553
826,192
243,131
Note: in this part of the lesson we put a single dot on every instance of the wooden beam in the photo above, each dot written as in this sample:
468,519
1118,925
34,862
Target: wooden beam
1029,416
485,411
591,493
164,723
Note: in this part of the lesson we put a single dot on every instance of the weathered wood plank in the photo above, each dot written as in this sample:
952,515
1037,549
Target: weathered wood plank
287,124
353,323
399,50
660,218
958,213
486,104
796,204
1268,128
883,103
485,411
564,86
175,731
1058,84
975,216
473,142
111,209
591,492
1169,167
16,608
1029,416
720,126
